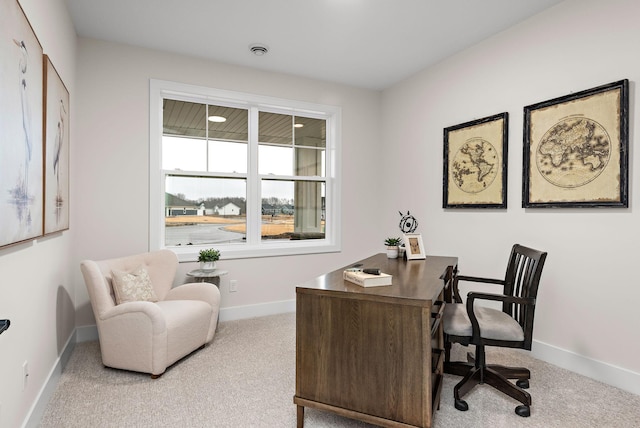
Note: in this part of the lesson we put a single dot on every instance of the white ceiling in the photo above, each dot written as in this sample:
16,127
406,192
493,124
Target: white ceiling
366,43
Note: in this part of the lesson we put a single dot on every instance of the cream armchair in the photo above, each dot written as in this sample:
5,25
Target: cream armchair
159,325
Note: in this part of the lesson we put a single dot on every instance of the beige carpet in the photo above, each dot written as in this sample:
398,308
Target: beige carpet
246,378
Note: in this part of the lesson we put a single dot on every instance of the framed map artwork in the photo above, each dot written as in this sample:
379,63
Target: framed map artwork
576,149
475,163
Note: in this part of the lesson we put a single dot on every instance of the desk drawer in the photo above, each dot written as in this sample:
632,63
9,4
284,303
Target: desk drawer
437,311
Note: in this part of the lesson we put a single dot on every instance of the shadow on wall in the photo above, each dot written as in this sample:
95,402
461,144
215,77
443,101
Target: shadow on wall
65,318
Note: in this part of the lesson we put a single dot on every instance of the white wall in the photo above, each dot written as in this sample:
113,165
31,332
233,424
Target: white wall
35,292
588,301
112,157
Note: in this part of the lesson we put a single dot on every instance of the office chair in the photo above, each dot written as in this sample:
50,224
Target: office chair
511,327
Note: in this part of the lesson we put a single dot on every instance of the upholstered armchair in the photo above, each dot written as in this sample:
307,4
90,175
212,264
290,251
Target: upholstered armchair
144,324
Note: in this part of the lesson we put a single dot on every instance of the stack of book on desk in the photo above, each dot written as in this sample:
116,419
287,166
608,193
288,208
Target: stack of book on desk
367,279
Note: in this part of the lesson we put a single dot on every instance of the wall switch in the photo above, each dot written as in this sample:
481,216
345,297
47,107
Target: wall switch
25,374
233,286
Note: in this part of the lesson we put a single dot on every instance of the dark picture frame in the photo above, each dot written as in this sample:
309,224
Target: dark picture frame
475,163
576,149
56,148
21,144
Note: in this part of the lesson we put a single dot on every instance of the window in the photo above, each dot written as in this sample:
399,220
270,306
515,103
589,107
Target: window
249,175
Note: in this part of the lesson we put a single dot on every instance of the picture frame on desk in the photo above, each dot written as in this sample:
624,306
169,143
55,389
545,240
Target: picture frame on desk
414,247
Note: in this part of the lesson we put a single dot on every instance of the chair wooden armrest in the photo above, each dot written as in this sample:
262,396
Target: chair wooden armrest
456,291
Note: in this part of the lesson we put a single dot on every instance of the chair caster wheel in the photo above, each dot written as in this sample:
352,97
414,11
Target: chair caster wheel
461,405
523,383
523,411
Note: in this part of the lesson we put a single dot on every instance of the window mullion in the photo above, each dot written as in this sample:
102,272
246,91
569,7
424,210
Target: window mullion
254,203
206,137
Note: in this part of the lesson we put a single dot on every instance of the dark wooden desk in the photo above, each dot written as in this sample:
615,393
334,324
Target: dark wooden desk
373,354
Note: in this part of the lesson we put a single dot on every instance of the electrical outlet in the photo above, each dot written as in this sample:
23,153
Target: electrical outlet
25,374
233,286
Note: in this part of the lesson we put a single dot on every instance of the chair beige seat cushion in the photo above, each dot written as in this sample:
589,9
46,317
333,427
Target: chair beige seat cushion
494,324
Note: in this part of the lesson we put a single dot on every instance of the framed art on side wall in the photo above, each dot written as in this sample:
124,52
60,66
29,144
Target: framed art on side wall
56,148
475,163
21,167
576,149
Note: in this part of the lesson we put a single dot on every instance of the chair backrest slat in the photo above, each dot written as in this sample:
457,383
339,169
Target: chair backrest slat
522,280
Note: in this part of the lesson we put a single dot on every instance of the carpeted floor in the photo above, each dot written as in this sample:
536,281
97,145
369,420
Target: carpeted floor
246,378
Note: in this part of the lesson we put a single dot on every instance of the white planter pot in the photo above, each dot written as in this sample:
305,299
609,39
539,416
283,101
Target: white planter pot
208,266
392,252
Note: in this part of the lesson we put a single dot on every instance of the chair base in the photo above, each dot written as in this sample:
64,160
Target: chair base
494,375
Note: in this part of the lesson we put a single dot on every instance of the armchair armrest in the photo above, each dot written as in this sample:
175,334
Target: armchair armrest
133,336
148,309
196,291
456,291
473,296
199,291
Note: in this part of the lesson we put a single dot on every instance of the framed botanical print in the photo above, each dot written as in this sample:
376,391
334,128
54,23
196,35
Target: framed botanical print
475,163
21,183
56,137
576,149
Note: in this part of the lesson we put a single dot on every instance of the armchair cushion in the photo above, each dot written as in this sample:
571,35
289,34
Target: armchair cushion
494,324
132,286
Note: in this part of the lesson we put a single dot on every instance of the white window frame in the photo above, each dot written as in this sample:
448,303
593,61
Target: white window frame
159,89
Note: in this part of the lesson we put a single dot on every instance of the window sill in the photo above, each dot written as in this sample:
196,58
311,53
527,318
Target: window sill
230,252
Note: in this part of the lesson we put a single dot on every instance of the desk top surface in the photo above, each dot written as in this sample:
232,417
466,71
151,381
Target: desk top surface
412,279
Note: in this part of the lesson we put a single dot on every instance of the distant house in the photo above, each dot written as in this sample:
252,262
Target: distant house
269,209
175,206
228,209
287,209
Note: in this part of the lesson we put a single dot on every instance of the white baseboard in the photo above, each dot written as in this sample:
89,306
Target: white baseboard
594,369
259,310
87,333
34,417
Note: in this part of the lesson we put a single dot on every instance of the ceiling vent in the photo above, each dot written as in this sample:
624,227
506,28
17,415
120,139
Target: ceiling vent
258,49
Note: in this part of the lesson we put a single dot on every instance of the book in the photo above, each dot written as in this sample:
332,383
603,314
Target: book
366,279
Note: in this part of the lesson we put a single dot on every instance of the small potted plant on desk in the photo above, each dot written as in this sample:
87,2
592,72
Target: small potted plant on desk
392,247
208,259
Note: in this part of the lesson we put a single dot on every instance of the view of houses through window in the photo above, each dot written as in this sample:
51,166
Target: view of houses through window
242,174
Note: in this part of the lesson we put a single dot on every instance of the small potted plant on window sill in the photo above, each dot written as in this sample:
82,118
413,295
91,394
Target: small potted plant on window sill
208,259
392,247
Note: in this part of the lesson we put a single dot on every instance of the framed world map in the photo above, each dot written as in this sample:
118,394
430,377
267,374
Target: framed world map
475,163
576,149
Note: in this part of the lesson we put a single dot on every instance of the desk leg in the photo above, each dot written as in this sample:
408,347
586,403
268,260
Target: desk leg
300,416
